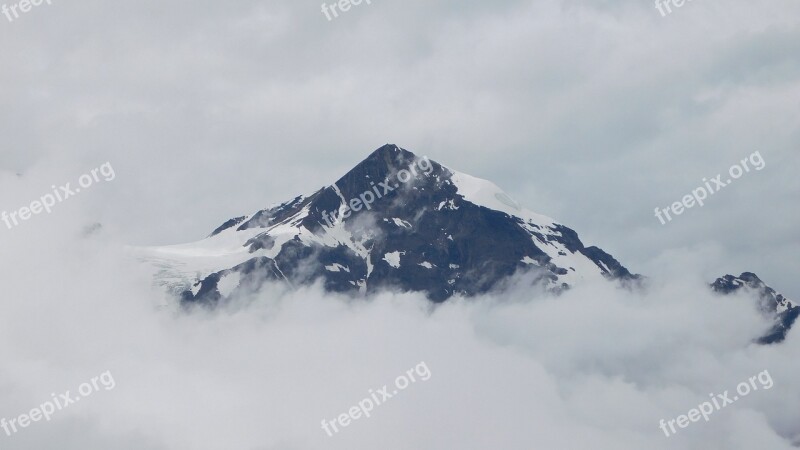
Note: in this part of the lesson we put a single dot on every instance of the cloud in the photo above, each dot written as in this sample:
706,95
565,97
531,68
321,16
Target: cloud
595,367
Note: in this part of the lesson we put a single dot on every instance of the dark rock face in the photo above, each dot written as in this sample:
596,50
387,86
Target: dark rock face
409,228
783,324
228,224
771,303
616,269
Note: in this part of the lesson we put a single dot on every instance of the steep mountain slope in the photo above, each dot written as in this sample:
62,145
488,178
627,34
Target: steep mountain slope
395,221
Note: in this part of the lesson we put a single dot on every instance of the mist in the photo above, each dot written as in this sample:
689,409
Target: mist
595,367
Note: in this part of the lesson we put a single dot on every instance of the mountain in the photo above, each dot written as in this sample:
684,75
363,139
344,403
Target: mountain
401,222
771,303
395,221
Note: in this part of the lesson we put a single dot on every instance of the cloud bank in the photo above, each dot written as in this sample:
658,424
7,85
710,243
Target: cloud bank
596,367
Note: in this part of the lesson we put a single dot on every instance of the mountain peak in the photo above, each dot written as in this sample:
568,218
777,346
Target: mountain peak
771,303
385,155
395,221
380,165
387,149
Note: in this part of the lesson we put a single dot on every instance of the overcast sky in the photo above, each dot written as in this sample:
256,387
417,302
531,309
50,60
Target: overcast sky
593,113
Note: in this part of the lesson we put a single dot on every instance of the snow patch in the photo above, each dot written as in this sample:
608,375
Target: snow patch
336,267
485,193
446,204
401,223
393,258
